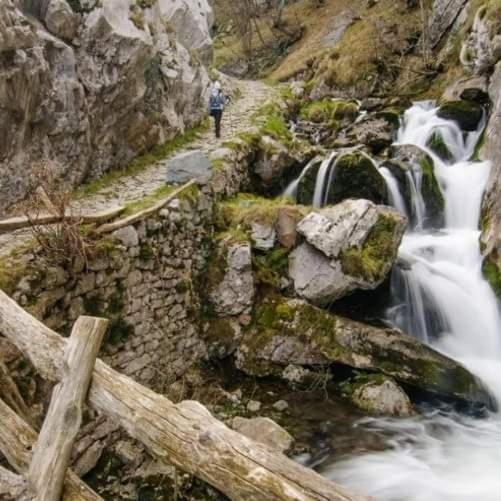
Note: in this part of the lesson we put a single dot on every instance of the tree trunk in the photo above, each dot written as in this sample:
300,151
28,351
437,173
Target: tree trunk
185,435
52,452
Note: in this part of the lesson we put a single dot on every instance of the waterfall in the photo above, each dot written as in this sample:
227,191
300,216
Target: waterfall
324,177
441,297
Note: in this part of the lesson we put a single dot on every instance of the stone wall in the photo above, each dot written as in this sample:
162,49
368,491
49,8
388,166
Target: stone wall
143,281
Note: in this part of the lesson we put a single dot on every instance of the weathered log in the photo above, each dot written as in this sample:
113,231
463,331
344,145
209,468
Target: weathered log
10,393
185,435
12,486
17,439
134,218
52,452
17,223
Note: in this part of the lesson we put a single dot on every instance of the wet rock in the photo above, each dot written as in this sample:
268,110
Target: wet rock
233,283
469,89
375,132
350,246
187,166
405,159
356,176
265,431
293,332
380,395
273,160
467,114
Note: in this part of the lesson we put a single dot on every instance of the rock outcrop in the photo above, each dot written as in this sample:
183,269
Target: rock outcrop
128,81
292,333
350,246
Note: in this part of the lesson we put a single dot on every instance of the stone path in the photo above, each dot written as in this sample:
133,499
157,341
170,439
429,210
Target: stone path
236,119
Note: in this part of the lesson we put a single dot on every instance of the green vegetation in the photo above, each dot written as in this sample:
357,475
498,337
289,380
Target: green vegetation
437,144
467,114
369,261
357,177
492,273
431,191
118,331
160,152
271,267
148,200
329,111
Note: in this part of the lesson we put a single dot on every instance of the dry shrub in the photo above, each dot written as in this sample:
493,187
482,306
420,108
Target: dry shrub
64,242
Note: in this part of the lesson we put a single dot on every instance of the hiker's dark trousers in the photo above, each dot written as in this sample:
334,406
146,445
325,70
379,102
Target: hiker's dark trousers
218,115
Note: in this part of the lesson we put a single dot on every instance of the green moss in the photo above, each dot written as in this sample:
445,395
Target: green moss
159,152
357,177
431,191
118,331
146,252
116,302
183,286
492,273
11,273
270,268
329,111
437,144
245,209
369,261
306,186
478,147
93,304
467,114
391,115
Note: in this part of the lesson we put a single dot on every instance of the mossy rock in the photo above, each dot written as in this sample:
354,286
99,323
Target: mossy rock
372,260
356,176
306,186
437,144
292,332
329,111
492,274
391,115
467,114
406,157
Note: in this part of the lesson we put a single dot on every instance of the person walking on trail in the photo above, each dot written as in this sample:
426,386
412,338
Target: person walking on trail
217,102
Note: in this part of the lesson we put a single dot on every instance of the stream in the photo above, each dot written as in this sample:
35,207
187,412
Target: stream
440,296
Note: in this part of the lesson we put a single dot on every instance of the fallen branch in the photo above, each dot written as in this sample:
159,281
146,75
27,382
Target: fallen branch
52,452
20,222
17,439
185,435
108,228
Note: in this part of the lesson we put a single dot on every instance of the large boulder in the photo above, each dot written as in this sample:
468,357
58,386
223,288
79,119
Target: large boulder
443,16
356,176
408,162
381,395
467,114
288,333
350,246
125,84
188,166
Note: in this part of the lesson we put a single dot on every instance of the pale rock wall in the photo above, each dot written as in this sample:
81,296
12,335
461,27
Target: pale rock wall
108,84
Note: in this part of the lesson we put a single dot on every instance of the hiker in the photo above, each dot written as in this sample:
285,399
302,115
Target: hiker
217,102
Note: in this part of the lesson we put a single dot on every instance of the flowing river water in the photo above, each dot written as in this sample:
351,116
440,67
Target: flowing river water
440,296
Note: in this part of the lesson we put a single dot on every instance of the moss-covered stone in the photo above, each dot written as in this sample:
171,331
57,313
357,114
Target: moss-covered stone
356,176
118,331
306,185
432,194
492,273
437,144
371,260
329,111
271,268
467,114
291,332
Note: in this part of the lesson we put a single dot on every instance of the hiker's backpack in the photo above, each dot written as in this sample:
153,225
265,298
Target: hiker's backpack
216,101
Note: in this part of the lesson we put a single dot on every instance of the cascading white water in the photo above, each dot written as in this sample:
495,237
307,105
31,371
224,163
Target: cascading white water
446,302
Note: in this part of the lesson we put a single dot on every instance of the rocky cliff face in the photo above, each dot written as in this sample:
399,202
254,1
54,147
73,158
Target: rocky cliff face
88,87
